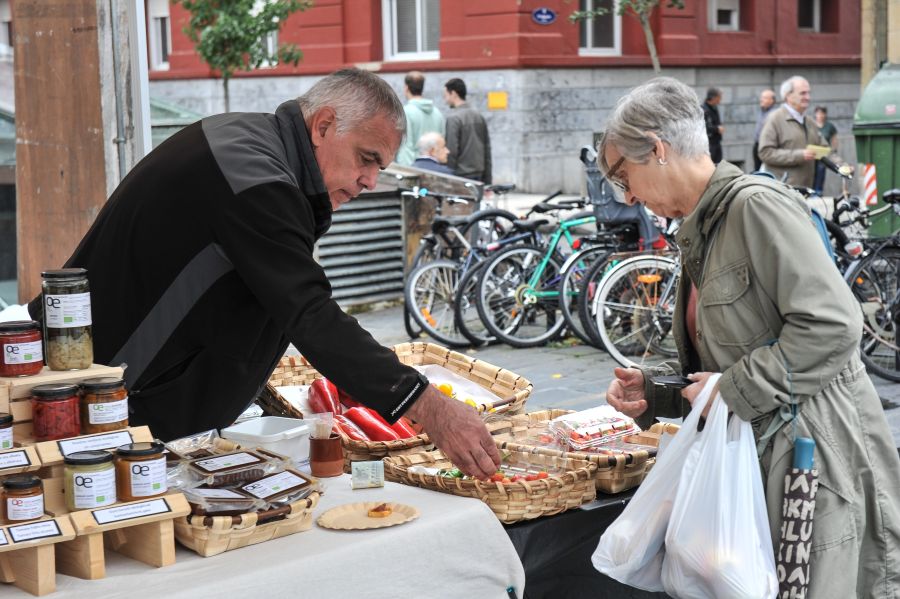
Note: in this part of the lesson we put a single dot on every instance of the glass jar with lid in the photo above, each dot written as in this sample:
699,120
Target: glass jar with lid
55,411
104,405
67,319
21,351
90,480
140,471
22,498
6,431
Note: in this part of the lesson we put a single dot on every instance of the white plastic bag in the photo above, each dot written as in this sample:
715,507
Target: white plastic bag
718,542
631,549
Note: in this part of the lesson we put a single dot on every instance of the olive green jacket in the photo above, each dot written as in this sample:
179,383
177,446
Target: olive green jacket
777,320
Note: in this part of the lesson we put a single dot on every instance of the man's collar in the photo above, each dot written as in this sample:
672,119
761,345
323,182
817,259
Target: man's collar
794,114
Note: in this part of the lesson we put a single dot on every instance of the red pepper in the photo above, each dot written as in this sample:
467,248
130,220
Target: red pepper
346,426
372,424
404,428
347,400
323,397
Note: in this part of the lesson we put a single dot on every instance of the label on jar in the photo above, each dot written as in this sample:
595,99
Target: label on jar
6,438
148,478
67,311
102,441
94,489
227,461
25,508
131,511
274,485
107,413
27,352
38,530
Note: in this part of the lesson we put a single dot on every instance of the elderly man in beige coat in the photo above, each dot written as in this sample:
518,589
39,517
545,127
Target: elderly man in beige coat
787,133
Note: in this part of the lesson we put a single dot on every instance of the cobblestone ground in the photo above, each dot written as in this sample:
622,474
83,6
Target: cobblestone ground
573,377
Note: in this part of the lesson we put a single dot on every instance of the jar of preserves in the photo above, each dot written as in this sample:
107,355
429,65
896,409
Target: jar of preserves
6,431
104,405
55,411
140,471
67,319
22,351
22,498
90,480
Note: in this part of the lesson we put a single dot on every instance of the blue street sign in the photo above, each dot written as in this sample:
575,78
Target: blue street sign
543,16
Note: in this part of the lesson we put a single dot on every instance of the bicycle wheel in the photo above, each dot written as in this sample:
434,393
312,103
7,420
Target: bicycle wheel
875,286
590,284
465,308
487,226
426,252
514,311
634,307
574,274
430,291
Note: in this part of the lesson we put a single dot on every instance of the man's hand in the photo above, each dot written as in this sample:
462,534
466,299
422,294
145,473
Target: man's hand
626,392
721,129
809,155
691,392
458,431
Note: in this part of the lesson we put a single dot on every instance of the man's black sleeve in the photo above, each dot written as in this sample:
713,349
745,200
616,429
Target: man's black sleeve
267,233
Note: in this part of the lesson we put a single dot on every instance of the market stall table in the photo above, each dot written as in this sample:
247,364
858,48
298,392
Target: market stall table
456,548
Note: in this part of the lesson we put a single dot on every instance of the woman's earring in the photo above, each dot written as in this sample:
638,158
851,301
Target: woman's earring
661,162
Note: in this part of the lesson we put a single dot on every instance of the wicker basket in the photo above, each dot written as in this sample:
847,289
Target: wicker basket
212,535
297,371
614,474
511,502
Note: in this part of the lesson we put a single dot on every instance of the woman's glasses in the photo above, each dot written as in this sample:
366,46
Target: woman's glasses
616,181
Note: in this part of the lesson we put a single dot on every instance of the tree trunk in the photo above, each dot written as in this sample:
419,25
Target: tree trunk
227,99
651,45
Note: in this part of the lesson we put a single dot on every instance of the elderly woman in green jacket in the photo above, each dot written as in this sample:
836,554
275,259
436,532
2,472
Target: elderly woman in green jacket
760,302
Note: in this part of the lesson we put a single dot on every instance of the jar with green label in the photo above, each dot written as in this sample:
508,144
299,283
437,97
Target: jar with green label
90,480
67,319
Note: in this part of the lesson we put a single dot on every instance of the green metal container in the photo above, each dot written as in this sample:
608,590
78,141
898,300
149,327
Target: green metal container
876,126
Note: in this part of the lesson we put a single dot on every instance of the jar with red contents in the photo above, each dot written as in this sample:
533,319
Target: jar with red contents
22,352
55,411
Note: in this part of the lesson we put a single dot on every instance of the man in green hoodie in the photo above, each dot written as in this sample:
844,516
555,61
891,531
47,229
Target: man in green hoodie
421,117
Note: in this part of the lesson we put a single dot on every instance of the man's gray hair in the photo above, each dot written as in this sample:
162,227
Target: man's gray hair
428,142
663,107
788,85
356,97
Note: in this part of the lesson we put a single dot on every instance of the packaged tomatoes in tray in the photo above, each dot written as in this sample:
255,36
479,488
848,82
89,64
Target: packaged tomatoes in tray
592,428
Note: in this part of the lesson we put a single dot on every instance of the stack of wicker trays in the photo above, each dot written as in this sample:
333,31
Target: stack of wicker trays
295,370
569,485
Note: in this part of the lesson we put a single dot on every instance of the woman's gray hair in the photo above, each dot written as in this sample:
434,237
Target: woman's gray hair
356,97
788,85
663,108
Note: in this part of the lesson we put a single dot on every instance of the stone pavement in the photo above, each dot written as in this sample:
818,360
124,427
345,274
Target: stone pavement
573,377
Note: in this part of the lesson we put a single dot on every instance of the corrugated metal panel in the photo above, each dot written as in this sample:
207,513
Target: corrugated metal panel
363,252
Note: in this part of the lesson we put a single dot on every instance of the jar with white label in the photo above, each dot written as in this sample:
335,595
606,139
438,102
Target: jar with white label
67,319
140,471
104,405
90,480
6,431
22,498
21,350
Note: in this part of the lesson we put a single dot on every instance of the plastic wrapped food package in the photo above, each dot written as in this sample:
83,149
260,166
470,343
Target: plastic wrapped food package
206,501
592,428
231,468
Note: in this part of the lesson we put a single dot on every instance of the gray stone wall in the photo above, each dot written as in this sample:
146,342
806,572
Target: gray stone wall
553,112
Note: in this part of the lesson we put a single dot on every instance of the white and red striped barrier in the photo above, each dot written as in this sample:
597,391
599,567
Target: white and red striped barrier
870,185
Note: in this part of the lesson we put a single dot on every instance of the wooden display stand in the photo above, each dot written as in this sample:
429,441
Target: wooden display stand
15,394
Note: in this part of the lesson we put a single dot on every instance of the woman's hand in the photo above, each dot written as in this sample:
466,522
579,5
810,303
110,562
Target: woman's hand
626,392
691,392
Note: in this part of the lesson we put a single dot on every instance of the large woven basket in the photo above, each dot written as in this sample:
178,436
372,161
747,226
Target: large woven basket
295,370
511,502
614,474
212,535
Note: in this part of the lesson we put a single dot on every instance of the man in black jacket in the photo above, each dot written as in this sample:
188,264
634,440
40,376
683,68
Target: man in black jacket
467,135
201,267
714,128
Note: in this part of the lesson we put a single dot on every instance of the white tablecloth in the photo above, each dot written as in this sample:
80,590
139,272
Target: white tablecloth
456,548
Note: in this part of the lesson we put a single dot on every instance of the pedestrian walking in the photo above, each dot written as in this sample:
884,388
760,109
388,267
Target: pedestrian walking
467,135
714,128
422,117
766,104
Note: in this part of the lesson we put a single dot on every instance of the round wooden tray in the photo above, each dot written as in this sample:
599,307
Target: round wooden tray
354,516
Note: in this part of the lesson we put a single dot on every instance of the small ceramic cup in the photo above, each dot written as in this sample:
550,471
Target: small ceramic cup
326,458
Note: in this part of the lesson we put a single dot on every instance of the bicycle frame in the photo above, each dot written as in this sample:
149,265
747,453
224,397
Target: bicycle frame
561,231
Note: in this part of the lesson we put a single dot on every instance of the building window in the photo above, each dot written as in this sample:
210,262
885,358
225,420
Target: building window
6,29
724,15
601,35
160,34
269,41
412,29
809,15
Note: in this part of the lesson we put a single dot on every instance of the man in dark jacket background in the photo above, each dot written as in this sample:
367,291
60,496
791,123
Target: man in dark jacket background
202,271
714,128
467,135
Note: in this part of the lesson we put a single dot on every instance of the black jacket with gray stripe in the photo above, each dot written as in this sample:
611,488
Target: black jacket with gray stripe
201,271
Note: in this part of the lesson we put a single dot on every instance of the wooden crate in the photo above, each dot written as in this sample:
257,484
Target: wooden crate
15,394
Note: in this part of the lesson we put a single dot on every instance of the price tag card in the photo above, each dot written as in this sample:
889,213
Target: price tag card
3,539
131,511
14,459
38,530
105,441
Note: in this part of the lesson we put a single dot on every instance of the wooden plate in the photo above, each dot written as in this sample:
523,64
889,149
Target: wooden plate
354,516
